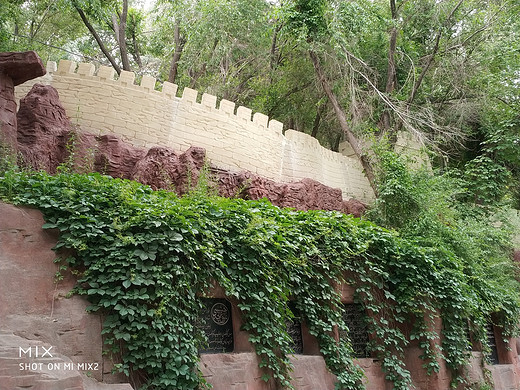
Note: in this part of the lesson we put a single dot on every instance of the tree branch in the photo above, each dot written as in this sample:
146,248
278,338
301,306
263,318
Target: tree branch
122,37
342,119
425,69
107,54
391,77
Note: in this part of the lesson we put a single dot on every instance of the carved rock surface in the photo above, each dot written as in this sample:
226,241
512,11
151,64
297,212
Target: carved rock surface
106,154
7,111
354,207
21,66
15,69
306,194
43,129
163,168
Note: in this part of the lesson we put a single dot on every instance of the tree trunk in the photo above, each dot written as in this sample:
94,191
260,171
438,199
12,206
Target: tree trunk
273,57
317,120
179,46
122,37
391,77
107,54
135,53
342,119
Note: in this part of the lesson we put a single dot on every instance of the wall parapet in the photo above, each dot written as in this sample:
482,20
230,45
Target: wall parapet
234,137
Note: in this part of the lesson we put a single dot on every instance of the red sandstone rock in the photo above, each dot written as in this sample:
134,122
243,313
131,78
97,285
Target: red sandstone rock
111,155
15,68
7,111
516,255
257,187
230,185
21,67
163,168
354,207
43,129
34,311
306,194
309,194
159,168
191,163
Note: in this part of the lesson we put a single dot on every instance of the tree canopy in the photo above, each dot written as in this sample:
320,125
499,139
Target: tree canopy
446,71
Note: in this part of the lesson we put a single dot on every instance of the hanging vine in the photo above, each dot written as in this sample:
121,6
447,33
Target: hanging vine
143,257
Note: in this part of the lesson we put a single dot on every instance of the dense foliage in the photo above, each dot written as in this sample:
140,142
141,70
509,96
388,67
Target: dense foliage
143,257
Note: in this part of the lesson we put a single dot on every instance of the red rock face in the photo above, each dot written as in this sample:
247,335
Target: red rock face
21,67
15,69
7,111
306,194
43,129
163,168
34,311
106,154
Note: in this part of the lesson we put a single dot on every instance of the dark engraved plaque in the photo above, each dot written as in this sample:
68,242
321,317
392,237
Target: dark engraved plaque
294,329
217,324
353,315
493,356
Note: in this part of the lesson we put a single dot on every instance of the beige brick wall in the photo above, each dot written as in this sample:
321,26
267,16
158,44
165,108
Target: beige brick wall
233,137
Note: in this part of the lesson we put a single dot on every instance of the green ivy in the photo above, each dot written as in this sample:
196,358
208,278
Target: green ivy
144,257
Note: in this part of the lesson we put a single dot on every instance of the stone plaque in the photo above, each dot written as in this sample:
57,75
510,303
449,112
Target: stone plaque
217,324
353,315
294,328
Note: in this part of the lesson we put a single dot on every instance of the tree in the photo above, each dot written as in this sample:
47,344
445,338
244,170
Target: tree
218,46
45,26
97,11
405,84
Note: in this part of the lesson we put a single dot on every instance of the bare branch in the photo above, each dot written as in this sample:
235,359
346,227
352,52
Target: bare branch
342,119
432,54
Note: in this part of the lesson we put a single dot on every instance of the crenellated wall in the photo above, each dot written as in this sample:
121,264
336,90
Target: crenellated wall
233,137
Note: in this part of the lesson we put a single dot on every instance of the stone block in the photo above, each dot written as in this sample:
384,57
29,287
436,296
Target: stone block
260,119
66,66
209,101
106,73
244,113
227,106
126,78
190,95
169,89
276,126
86,69
148,82
51,66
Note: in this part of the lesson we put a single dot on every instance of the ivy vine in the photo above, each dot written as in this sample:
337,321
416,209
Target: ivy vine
143,257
